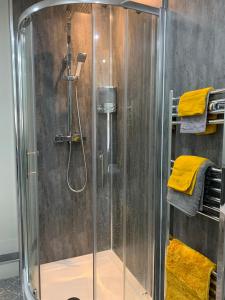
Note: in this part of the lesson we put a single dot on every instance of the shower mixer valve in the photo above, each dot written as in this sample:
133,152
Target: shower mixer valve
74,138
69,77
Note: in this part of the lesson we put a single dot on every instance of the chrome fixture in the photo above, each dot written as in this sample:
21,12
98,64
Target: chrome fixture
81,57
71,78
106,100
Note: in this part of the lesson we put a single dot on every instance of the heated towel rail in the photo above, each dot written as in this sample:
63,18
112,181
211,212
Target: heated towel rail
213,184
216,106
212,194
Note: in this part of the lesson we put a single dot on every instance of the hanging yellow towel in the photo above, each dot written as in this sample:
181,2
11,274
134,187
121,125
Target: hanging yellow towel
187,273
184,174
193,103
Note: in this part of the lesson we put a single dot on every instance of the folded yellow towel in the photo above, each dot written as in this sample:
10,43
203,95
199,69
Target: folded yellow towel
184,174
187,273
193,103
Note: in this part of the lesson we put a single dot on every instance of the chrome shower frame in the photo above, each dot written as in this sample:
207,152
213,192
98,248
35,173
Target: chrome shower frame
161,143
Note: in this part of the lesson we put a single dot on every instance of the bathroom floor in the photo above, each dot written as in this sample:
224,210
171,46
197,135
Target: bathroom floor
10,289
68,278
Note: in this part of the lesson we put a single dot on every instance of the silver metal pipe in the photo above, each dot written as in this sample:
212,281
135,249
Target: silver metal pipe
210,112
212,169
213,189
216,112
208,216
217,101
216,122
216,170
69,107
218,91
214,274
216,180
213,199
211,208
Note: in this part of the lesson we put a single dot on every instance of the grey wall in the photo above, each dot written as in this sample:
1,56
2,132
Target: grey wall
66,218
195,59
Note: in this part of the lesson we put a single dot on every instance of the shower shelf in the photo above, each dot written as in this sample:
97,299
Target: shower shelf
212,194
215,107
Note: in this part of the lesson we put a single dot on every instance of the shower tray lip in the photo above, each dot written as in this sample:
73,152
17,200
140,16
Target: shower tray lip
49,3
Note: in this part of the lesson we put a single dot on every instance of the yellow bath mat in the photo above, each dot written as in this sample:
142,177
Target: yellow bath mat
187,273
193,103
184,174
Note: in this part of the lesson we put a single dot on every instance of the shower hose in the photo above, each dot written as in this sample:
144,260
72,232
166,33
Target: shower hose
82,188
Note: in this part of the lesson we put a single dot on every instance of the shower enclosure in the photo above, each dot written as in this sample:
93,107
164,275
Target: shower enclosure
90,118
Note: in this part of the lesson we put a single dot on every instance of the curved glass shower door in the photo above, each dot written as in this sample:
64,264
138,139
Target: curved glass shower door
88,102
28,163
124,73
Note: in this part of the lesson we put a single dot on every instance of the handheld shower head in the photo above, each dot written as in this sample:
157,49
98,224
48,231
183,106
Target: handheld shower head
81,58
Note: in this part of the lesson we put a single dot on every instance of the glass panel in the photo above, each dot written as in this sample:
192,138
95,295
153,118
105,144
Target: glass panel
108,87
63,108
140,55
30,204
124,85
114,103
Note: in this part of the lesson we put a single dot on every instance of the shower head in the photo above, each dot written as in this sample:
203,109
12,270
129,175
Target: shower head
81,58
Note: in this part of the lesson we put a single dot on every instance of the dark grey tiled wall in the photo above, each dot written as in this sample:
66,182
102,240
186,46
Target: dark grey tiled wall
66,218
195,59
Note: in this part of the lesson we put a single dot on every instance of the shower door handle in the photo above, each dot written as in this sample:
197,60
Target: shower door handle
101,158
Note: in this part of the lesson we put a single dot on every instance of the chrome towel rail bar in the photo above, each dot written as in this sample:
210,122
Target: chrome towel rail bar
212,169
213,282
215,107
212,194
216,122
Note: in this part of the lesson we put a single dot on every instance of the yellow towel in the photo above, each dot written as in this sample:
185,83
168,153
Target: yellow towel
184,174
187,273
193,103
